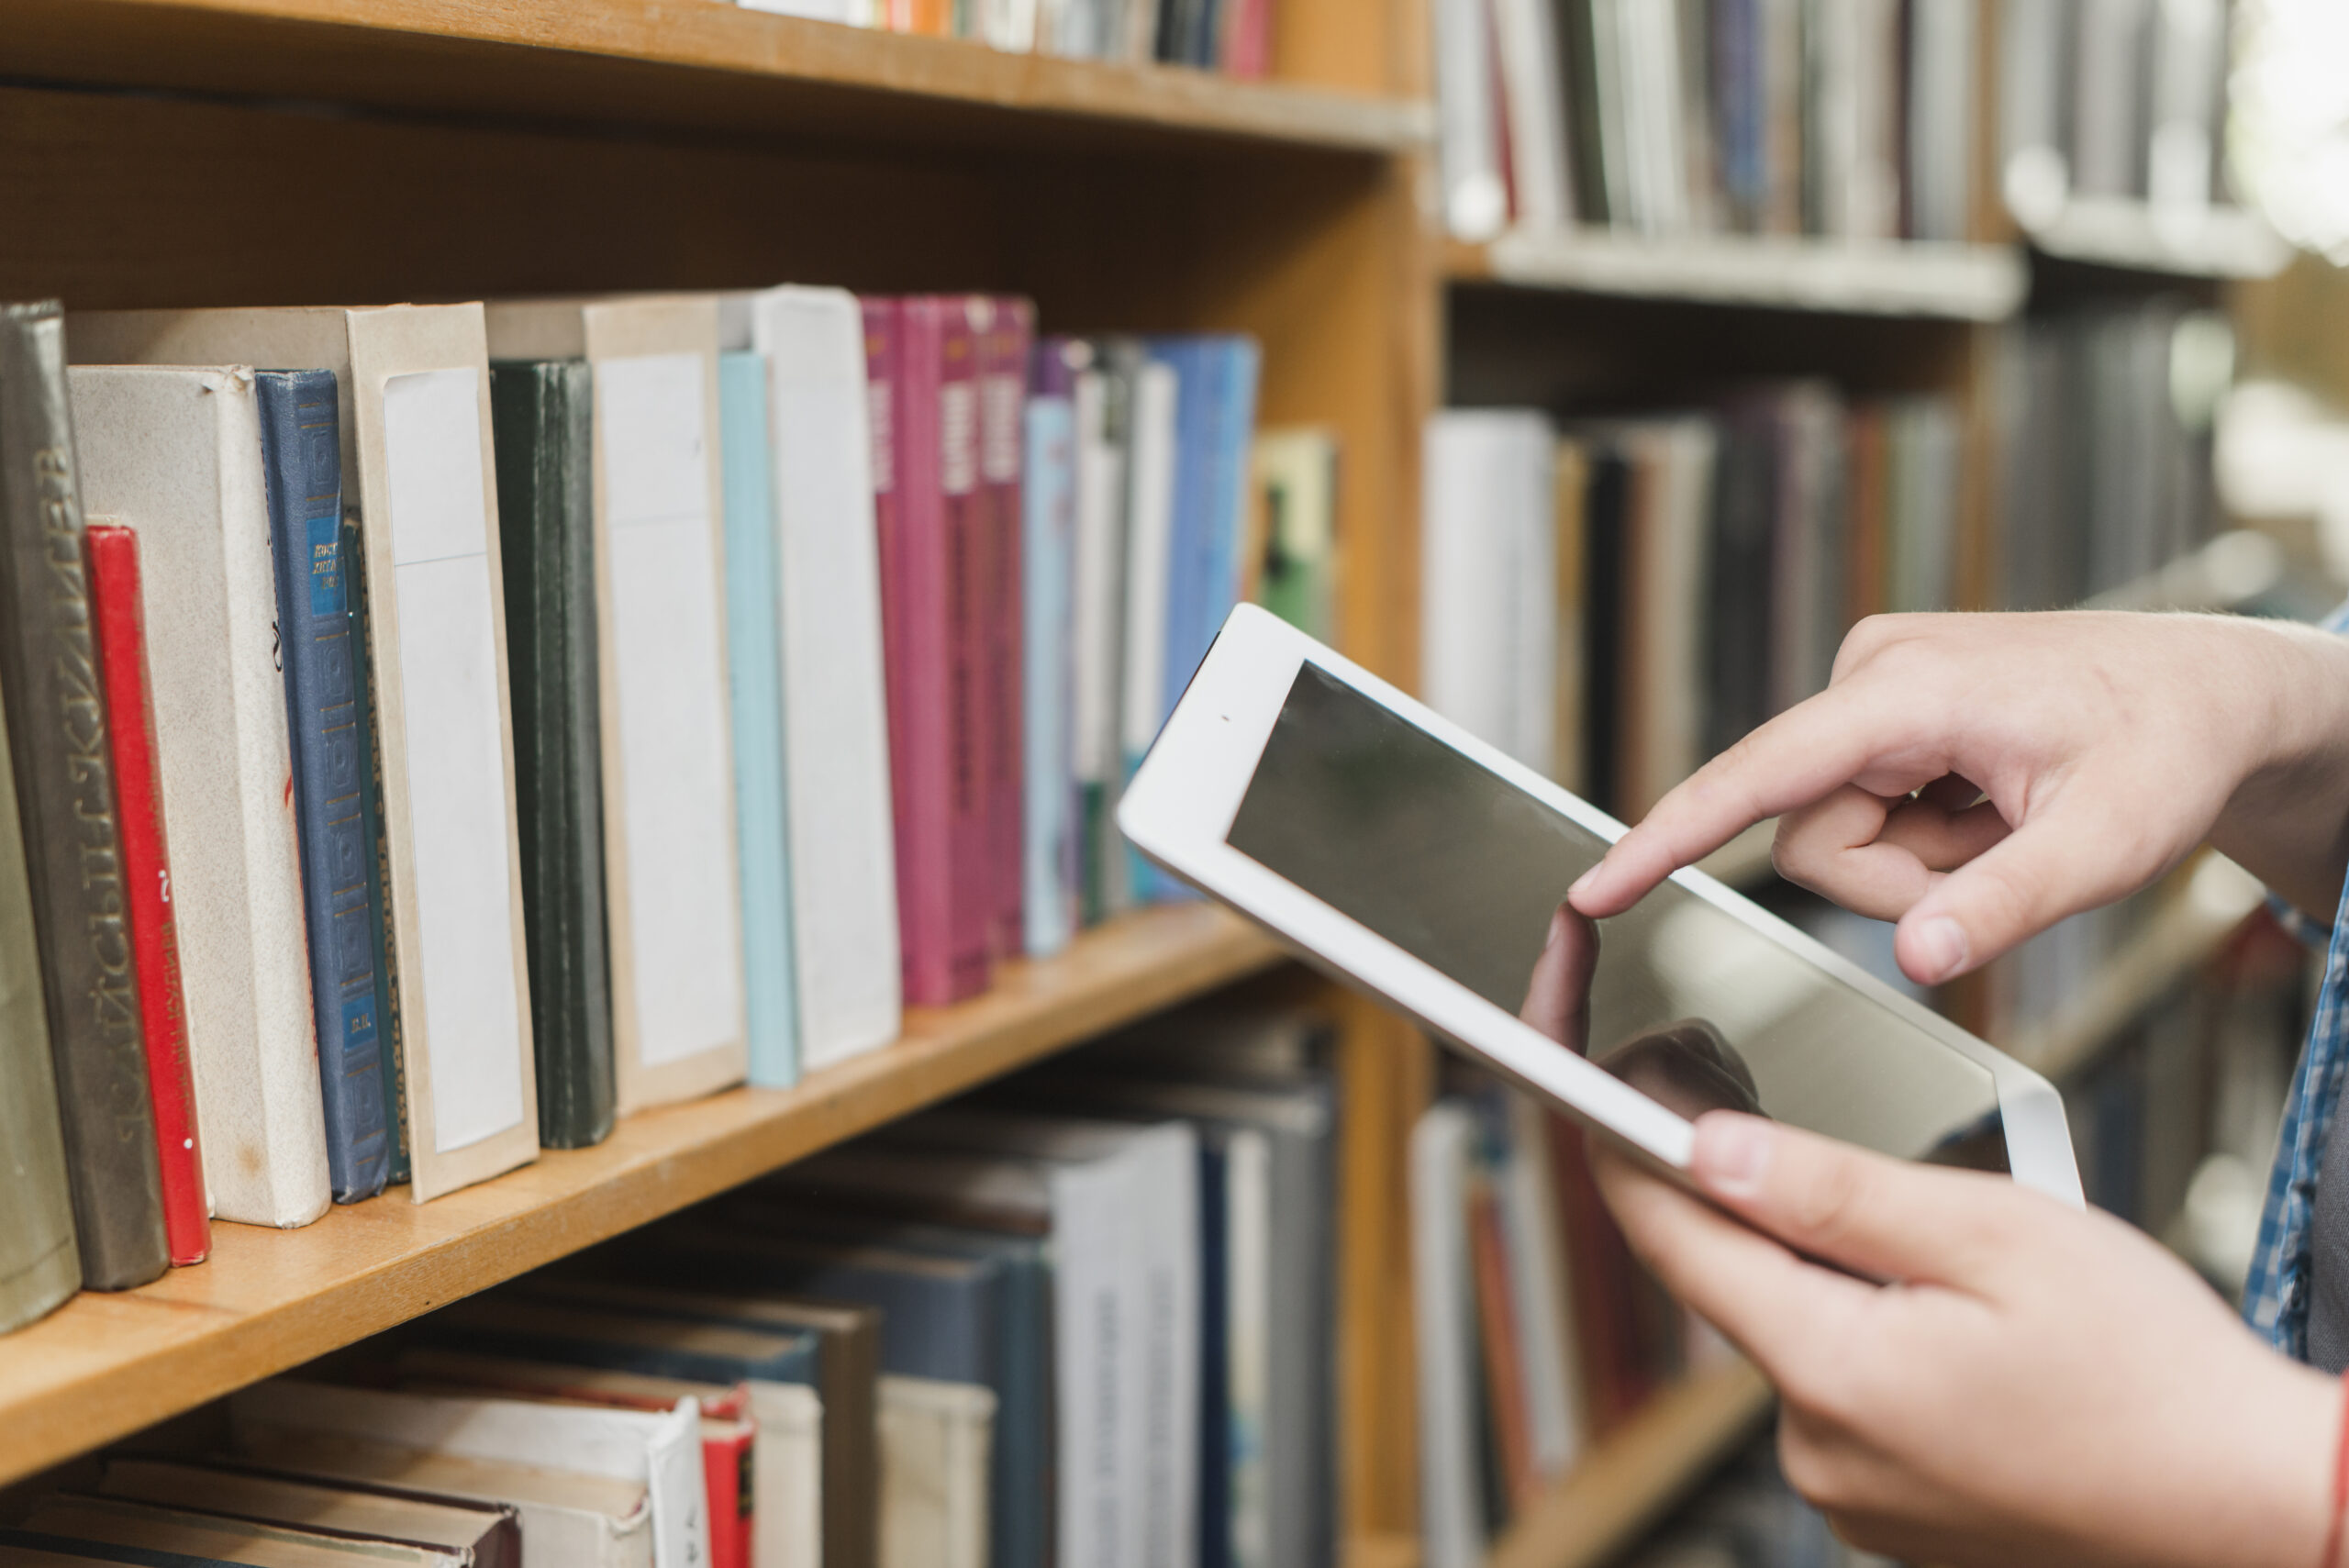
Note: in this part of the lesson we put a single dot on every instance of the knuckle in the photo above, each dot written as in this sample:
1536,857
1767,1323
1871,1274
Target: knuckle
1829,1201
1810,1465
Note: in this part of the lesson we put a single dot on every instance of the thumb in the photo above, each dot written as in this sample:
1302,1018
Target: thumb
1886,1219
2050,867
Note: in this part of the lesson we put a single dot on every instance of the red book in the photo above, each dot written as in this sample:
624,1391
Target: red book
921,361
1497,1328
1004,328
147,875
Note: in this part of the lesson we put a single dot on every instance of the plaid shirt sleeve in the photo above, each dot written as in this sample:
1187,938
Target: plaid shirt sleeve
2276,1297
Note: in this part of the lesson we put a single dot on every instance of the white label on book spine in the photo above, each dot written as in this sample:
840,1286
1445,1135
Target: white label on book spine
455,751
683,925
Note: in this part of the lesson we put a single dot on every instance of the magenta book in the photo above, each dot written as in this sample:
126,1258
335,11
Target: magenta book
1005,327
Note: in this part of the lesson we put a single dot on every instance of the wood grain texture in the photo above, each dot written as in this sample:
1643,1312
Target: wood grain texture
1630,1481
109,1365
682,63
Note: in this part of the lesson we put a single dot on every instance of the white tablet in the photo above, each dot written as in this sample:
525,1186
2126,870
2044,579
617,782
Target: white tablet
1398,851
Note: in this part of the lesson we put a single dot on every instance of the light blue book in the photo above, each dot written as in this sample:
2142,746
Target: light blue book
1048,548
755,673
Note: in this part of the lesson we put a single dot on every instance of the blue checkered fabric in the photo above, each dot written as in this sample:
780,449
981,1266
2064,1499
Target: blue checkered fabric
2275,1297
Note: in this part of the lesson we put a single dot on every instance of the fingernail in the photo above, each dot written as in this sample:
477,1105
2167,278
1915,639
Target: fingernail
1940,943
1732,1151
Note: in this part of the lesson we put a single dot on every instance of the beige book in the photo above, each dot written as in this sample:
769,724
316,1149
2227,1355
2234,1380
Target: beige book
568,1516
1567,741
414,383
176,455
249,1544
672,891
937,1443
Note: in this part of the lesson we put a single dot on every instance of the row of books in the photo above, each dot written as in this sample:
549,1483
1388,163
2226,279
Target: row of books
1855,119
1613,601
1084,1318
1234,37
668,702
1537,1333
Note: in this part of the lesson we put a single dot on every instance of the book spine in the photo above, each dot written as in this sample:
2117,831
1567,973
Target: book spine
302,461
927,604
147,873
1008,329
57,707
352,551
540,417
726,1474
1048,553
966,537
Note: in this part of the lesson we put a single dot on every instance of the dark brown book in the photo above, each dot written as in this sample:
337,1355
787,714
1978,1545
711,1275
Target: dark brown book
490,1532
59,748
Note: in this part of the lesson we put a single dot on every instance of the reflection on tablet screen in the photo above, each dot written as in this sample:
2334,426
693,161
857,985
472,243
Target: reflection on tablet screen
1392,827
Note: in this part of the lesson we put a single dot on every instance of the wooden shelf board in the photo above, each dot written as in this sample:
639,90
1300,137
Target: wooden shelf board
1960,283
105,1365
686,65
1387,1549
2214,898
2214,243
1629,1482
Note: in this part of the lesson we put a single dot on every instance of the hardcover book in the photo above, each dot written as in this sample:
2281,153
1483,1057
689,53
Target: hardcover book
302,454
835,712
923,359
50,674
755,683
1047,564
39,1266
176,453
1004,329
672,879
147,876
414,391
540,414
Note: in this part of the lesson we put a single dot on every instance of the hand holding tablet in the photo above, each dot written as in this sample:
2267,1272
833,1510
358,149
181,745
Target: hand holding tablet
1420,864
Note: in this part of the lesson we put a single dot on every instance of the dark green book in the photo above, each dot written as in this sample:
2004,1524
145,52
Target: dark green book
540,414
352,550
62,756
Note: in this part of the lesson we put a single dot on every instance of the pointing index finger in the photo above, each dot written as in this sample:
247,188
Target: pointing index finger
1796,758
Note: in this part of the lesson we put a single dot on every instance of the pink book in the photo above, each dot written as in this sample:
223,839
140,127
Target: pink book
1247,39
1006,326
921,362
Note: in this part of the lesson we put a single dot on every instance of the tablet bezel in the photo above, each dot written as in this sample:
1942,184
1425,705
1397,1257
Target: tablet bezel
1179,808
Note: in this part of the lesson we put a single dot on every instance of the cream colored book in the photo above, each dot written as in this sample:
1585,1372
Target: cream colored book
937,1443
673,893
156,1534
595,1521
176,455
414,382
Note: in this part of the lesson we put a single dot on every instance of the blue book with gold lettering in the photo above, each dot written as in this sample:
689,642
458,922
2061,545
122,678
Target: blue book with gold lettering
302,459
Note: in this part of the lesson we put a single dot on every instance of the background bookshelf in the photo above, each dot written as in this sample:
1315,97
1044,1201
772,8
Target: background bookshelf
165,152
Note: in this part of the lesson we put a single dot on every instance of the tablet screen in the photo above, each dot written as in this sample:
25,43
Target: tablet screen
1443,857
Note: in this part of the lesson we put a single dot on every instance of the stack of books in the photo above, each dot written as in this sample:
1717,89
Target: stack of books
1086,1318
560,707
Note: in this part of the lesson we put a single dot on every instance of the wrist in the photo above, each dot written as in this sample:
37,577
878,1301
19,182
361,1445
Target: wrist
2283,1470
2287,818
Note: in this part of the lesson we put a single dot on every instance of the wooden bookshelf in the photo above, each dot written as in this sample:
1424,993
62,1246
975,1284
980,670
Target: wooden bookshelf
105,1365
1629,1480
1956,283
679,64
2217,242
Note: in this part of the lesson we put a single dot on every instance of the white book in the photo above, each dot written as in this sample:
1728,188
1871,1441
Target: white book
1126,1307
1451,1488
836,741
1096,739
2034,173
1649,40
1830,31
1874,199
1150,539
1047,563
414,383
2187,100
2108,94
787,1475
937,1447
662,1449
672,879
1526,34
1538,1293
1488,579
1941,118
1476,200
176,455
592,1521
